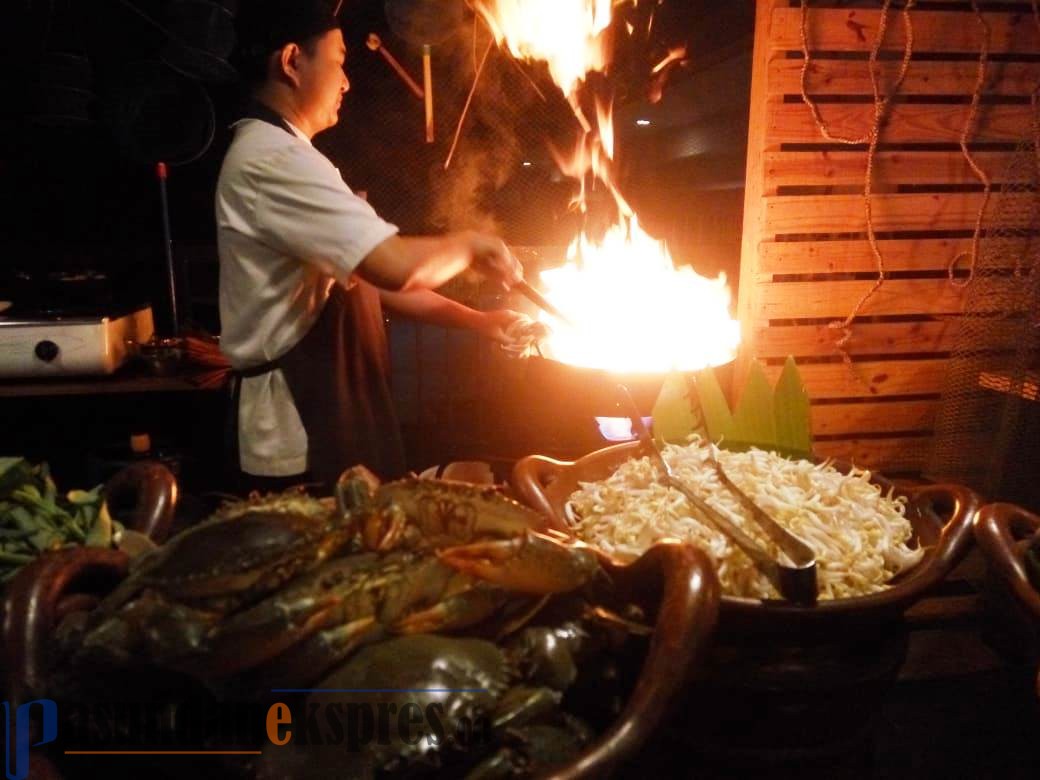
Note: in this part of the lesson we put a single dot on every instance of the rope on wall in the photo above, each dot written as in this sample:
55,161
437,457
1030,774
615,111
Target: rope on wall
871,138
969,126
881,105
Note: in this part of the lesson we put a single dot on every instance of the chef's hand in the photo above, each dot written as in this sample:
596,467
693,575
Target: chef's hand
491,257
517,334
501,325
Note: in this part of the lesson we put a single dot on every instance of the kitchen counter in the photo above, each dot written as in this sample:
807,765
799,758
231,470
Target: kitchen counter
129,379
76,423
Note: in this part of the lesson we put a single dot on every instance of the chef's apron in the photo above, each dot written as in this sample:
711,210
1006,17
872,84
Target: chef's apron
338,374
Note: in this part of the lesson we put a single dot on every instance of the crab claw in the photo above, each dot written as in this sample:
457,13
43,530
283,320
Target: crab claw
531,563
355,488
459,611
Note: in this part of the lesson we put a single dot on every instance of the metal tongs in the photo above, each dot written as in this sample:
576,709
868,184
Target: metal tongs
796,581
524,287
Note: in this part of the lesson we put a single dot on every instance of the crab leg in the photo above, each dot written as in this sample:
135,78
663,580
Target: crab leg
458,611
530,563
243,646
316,655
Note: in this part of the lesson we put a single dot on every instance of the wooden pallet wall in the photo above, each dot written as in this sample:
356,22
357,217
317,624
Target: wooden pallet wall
805,259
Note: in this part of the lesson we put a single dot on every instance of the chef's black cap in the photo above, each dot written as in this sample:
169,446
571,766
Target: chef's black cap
265,26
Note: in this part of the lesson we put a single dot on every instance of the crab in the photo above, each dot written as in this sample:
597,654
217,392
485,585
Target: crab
488,710
283,588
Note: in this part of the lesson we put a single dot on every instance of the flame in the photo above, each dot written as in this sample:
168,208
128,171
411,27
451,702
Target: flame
633,310
566,34
674,55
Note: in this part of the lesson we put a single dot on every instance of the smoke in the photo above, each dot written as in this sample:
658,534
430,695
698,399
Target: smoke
515,114
489,151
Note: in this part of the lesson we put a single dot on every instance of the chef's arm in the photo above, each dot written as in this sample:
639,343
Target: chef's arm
407,264
434,309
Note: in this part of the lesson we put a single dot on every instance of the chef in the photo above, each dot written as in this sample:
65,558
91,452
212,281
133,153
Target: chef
306,267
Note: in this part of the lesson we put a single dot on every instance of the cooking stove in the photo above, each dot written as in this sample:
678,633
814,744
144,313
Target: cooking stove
69,342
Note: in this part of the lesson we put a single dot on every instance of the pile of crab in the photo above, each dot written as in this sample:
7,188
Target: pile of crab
416,592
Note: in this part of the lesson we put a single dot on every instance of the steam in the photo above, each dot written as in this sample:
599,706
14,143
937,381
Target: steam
489,150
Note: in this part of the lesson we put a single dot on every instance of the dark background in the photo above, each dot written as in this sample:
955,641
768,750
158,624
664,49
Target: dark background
82,195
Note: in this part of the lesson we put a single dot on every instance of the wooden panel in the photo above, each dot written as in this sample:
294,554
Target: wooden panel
792,123
845,213
807,257
869,338
859,418
941,31
751,234
848,169
876,377
790,300
781,281
923,77
891,455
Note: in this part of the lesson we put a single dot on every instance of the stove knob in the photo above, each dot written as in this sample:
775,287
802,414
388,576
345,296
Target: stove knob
46,351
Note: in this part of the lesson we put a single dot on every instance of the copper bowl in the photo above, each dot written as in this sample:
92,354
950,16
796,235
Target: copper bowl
143,497
674,582
941,516
1004,532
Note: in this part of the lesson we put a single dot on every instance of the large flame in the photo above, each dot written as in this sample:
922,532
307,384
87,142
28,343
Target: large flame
566,34
633,310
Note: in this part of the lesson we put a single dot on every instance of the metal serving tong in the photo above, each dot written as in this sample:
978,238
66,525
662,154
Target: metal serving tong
796,581
542,302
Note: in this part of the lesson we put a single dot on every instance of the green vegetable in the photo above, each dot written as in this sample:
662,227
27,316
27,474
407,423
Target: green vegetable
770,419
35,517
754,422
101,534
6,557
676,413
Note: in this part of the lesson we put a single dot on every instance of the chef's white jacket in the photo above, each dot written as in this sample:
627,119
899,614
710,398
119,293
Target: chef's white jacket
288,228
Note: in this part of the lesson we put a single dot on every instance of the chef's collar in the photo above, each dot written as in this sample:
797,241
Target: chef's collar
263,112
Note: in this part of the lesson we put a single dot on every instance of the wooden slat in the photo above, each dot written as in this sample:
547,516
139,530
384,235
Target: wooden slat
790,300
859,418
869,338
751,234
809,257
1027,387
896,454
811,214
923,77
848,169
939,31
876,377
792,123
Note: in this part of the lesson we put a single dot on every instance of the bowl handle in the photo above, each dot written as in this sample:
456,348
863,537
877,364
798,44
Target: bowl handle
34,603
148,492
531,476
958,506
686,618
998,529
